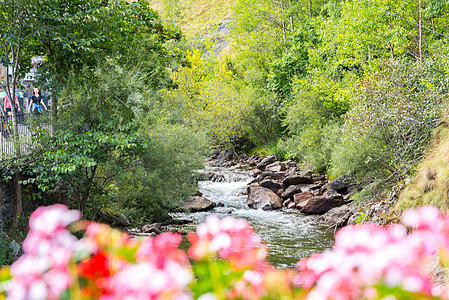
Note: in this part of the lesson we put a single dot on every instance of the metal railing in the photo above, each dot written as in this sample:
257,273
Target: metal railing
7,147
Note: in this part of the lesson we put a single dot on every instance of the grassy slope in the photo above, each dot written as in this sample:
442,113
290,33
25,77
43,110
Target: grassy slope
200,15
431,183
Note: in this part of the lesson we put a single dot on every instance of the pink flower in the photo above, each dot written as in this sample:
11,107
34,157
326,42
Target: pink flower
424,217
162,248
229,239
147,281
42,272
364,256
48,219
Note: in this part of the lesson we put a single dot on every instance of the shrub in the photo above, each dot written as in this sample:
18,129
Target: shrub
390,125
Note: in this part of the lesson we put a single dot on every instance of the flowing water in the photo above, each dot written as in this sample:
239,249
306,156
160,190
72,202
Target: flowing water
289,234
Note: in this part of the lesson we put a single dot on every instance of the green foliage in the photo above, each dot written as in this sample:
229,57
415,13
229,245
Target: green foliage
294,61
209,99
430,184
311,120
5,258
389,127
261,120
156,183
214,276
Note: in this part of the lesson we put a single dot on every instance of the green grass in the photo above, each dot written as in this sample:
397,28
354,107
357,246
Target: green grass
431,183
201,15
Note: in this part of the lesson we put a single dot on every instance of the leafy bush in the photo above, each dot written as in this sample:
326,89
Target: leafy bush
390,124
261,120
209,97
156,182
311,125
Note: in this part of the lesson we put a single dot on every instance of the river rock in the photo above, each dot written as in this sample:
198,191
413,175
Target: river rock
152,228
15,248
220,159
290,191
302,198
292,204
342,184
275,167
271,184
306,173
255,172
290,164
197,203
320,204
263,198
338,216
215,177
319,179
114,218
271,175
253,160
224,210
297,179
266,161
310,187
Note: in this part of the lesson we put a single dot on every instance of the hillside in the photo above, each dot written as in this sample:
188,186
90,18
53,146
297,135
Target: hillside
430,186
197,16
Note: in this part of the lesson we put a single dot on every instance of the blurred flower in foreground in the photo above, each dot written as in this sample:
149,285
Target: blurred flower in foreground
229,239
369,255
230,262
43,271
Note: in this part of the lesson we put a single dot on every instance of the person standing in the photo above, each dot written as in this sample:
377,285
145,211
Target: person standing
37,102
7,104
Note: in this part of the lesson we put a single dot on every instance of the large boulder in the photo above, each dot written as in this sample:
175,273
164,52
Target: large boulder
271,184
275,167
302,198
320,204
342,184
152,228
309,187
198,203
290,191
338,216
297,179
266,161
255,172
271,175
263,198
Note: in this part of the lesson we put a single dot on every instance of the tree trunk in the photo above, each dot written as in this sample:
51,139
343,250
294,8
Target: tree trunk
284,31
18,212
310,9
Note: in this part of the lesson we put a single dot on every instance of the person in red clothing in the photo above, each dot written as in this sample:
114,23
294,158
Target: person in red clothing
7,105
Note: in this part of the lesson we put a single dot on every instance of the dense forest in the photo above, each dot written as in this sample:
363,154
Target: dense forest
142,92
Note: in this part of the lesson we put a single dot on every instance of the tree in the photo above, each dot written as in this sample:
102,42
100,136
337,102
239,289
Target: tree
15,32
75,34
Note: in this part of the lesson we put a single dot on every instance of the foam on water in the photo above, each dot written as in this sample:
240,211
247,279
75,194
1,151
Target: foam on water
288,233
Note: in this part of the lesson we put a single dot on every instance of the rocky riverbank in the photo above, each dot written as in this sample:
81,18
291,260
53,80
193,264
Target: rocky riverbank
282,184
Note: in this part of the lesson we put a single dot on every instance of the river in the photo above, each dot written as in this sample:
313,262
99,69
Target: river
289,234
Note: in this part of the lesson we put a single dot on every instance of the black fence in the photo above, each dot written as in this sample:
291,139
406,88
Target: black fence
6,130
